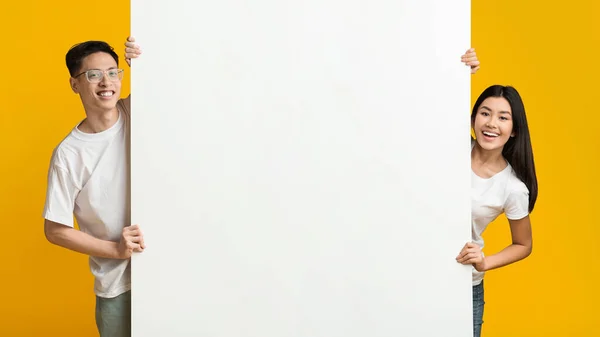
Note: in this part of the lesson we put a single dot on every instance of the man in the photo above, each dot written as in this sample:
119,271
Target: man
88,178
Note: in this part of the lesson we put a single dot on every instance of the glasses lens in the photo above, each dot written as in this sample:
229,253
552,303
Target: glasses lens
114,74
94,76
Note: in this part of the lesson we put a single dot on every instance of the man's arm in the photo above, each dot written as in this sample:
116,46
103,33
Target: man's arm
132,50
78,241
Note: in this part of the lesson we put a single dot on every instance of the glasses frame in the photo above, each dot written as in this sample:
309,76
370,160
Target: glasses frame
120,73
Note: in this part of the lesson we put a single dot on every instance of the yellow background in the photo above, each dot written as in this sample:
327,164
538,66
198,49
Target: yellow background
45,290
548,52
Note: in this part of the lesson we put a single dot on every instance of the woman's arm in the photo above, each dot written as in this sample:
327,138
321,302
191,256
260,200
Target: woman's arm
522,244
469,58
521,247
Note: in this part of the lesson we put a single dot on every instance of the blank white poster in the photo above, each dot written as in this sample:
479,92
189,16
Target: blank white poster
301,168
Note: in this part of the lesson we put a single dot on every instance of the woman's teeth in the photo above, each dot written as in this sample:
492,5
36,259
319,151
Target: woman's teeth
489,134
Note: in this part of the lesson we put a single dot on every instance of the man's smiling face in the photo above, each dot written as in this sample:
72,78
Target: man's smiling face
102,96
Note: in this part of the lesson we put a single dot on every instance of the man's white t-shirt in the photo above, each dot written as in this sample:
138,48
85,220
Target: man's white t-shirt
490,197
89,178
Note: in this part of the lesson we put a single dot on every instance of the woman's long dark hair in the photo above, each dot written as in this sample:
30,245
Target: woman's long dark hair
517,150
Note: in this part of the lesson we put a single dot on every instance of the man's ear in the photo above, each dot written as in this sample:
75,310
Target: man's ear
74,85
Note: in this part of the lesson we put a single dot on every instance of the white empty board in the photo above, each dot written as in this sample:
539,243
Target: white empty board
301,168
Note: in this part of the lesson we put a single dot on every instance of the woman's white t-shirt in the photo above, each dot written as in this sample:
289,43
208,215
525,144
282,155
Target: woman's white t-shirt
490,197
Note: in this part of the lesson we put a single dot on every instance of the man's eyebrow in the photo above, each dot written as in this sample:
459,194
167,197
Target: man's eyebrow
113,67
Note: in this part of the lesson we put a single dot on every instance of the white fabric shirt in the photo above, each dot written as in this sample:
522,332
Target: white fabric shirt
501,193
88,178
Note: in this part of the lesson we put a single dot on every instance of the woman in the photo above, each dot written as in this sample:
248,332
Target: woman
503,180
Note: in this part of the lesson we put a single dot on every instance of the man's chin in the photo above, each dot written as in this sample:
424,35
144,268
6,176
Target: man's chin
101,106
108,103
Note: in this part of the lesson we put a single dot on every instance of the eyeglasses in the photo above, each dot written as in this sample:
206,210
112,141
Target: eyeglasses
96,75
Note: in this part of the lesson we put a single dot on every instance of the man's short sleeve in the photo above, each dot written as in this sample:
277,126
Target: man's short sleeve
60,195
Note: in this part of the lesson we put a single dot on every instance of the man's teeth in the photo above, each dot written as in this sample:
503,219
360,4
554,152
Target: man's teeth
490,134
106,93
